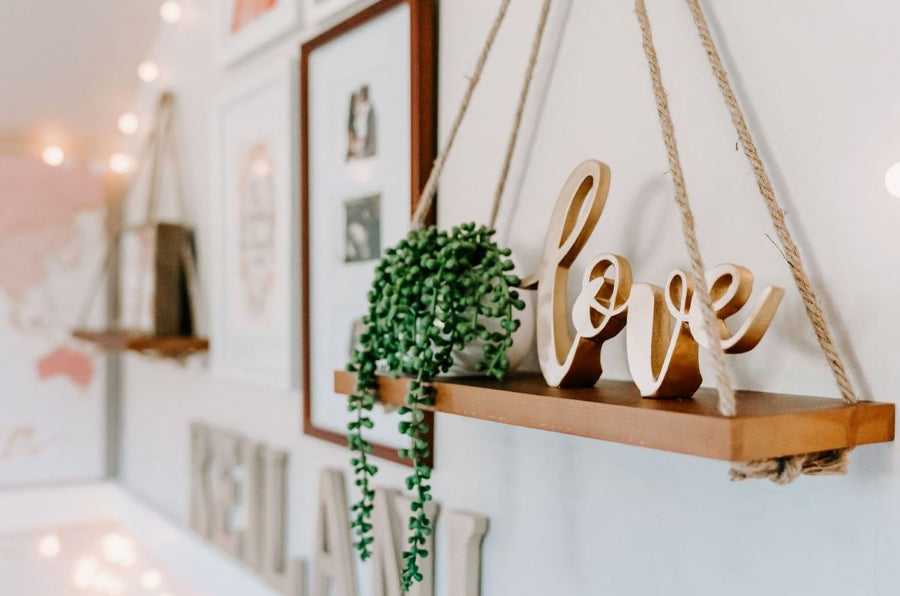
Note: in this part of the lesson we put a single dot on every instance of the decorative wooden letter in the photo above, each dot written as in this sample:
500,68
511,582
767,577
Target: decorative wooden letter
391,508
730,287
333,562
568,362
286,575
600,310
227,534
251,459
662,355
201,491
239,502
467,531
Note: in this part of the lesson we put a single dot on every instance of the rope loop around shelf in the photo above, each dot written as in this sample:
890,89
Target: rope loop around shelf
776,212
781,470
727,402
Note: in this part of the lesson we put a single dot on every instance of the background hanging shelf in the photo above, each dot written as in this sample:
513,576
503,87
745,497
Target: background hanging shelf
166,347
767,424
162,305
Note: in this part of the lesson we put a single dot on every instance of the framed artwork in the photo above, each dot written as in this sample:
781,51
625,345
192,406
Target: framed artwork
243,26
367,96
316,11
255,268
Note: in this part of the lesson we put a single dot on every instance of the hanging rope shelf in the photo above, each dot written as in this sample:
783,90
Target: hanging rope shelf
148,345
765,435
768,424
158,315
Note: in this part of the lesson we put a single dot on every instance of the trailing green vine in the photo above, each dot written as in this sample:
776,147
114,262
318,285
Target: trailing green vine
434,292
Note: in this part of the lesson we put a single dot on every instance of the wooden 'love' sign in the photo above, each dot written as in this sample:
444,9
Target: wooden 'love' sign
665,325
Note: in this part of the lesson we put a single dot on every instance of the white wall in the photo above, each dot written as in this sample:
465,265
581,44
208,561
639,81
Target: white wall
577,517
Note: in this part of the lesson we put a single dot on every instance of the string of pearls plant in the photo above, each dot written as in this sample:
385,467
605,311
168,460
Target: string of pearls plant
435,292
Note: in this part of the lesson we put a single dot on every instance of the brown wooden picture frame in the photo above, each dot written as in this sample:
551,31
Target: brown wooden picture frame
423,55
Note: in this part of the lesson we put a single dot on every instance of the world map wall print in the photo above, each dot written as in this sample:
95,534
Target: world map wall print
52,241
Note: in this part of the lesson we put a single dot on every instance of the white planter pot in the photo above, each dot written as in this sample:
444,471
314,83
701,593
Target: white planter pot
465,362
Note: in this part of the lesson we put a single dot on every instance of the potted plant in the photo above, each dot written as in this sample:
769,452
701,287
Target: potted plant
434,294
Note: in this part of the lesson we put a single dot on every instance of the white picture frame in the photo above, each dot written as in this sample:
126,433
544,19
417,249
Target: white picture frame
244,26
254,188
319,11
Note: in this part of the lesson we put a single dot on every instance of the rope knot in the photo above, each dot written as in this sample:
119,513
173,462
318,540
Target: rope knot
784,470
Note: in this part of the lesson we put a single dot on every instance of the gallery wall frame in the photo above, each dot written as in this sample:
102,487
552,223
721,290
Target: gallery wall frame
244,26
318,11
343,82
255,321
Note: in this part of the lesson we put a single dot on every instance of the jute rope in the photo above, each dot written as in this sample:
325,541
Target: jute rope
426,199
159,144
781,470
784,470
776,213
727,405
148,153
427,196
520,110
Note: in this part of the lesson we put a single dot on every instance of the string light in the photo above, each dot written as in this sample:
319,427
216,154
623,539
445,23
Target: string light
120,163
85,570
49,546
117,548
151,579
53,156
892,180
107,583
128,123
170,11
148,71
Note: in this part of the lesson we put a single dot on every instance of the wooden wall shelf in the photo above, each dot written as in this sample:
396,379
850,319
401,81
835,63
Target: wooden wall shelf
166,347
767,425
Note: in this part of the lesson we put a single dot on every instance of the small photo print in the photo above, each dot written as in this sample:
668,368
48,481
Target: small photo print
362,229
357,328
362,135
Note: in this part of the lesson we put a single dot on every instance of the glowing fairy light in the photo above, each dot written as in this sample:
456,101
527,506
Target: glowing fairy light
118,549
128,123
892,180
148,71
53,156
170,11
120,163
49,546
151,579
